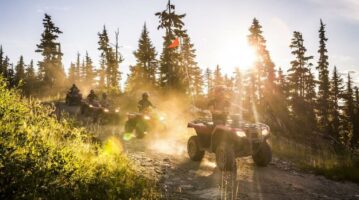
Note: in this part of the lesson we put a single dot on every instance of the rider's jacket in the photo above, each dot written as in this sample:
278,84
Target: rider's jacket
143,104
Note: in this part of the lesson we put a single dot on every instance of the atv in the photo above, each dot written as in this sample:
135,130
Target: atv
109,115
145,122
91,109
234,139
73,99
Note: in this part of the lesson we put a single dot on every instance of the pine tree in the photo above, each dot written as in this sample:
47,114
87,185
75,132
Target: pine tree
301,84
190,67
171,73
146,58
30,80
6,67
89,73
209,81
2,61
72,73
77,73
102,75
50,68
282,83
135,79
265,72
323,90
112,60
20,71
336,93
355,137
310,98
217,76
348,113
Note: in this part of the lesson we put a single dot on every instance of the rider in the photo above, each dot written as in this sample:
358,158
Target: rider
219,106
74,90
92,96
144,103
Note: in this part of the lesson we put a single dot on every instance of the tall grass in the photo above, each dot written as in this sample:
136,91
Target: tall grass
41,158
318,156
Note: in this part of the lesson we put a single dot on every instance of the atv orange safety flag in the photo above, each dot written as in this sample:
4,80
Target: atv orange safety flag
174,44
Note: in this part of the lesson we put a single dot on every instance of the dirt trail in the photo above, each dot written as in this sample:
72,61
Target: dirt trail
181,178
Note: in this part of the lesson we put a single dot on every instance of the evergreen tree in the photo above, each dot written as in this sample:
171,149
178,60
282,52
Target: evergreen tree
77,73
323,90
20,71
355,137
336,93
72,73
348,113
6,67
2,61
282,83
217,76
190,67
301,84
146,58
112,60
50,68
171,73
89,73
265,72
10,75
135,79
209,81
102,75
30,80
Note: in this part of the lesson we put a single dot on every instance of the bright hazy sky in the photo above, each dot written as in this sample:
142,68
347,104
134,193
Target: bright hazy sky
217,28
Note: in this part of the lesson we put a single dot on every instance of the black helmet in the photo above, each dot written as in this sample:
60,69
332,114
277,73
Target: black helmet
145,95
91,91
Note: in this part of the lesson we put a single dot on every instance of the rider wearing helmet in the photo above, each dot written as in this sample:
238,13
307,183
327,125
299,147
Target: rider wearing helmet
219,106
92,96
144,103
74,90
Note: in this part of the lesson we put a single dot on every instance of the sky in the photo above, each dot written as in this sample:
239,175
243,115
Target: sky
218,29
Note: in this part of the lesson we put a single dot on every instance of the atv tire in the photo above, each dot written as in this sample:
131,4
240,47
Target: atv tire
263,156
225,157
193,149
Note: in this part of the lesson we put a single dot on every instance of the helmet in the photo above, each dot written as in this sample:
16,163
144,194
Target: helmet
145,95
91,91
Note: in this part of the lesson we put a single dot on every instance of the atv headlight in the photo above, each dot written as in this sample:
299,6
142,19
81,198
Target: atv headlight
106,110
117,110
91,106
241,133
265,132
146,117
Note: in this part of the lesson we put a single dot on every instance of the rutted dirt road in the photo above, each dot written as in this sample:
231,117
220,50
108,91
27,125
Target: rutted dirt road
181,178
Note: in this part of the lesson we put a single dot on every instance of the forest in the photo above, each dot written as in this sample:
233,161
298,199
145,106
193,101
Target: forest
312,104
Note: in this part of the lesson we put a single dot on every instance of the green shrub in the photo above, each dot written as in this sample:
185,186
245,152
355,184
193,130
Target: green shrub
41,158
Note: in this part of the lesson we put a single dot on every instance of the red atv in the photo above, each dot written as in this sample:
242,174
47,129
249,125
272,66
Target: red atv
235,139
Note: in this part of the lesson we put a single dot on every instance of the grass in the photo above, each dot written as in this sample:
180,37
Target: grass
319,158
42,158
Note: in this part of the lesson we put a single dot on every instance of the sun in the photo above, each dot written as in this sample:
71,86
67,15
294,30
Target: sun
236,53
